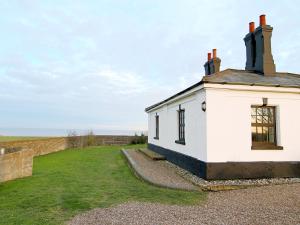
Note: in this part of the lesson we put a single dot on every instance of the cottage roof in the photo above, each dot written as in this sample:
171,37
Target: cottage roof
242,77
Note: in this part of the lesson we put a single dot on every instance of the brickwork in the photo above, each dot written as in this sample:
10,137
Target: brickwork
39,146
112,140
16,165
19,164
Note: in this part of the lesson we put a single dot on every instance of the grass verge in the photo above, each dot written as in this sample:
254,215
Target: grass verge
18,138
72,181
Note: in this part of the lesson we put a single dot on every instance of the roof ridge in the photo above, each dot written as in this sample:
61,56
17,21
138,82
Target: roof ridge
287,73
222,72
241,77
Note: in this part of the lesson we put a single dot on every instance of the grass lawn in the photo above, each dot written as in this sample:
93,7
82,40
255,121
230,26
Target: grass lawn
72,181
17,138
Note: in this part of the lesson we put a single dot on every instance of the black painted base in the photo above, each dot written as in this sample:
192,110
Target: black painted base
189,163
230,170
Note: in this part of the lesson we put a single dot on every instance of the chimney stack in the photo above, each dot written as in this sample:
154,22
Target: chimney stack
213,64
258,48
264,62
214,53
262,20
206,65
208,56
250,47
251,27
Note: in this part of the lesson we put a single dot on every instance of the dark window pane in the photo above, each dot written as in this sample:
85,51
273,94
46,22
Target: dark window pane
271,116
254,134
271,135
181,125
265,134
259,134
156,126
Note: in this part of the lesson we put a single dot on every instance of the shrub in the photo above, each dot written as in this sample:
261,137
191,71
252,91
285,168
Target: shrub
139,139
72,139
76,141
90,138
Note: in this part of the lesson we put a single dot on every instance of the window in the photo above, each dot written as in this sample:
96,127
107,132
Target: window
181,126
156,127
263,125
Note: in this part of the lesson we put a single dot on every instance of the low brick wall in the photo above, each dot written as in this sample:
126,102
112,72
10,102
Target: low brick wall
99,140
45,146
19,164
112,140
39,146
16,165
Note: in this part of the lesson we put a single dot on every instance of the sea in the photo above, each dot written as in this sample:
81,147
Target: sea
53,132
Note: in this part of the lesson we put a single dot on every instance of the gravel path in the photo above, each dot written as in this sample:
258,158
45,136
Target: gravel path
216,185
279,204
166,174
157,172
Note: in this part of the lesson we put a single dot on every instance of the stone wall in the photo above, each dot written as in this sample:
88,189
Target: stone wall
19,164
16,165
99,140
45,146
39,146
112,140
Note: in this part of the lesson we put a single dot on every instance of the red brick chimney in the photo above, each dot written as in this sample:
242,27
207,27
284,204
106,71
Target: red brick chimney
250,47
262,20
264,62
208,57
206,65
251,27
214,63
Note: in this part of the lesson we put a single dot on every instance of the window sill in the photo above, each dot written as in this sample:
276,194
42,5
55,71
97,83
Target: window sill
267,147
180,142
156,138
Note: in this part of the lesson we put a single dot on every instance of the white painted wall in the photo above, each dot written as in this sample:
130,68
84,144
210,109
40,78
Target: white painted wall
195,126
223,132
229,123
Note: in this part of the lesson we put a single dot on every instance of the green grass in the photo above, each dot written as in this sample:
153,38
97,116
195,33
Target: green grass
18,138
72,181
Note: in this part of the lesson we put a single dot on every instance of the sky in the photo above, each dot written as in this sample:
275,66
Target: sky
70,64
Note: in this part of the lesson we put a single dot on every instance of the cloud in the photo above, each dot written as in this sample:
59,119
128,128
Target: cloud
124,82
100,63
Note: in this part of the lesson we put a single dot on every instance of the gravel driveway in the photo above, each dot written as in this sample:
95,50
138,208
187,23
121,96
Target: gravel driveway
279,204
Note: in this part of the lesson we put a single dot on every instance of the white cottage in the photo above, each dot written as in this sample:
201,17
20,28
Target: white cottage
233,123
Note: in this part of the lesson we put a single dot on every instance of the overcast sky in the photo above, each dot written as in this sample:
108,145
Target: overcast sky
97,64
